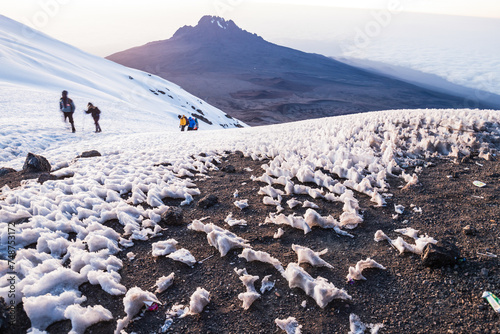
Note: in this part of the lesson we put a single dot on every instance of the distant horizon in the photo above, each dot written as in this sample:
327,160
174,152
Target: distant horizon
113,26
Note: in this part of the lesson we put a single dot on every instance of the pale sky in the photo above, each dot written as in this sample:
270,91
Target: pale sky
103,27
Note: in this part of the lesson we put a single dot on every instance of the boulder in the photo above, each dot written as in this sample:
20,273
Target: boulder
440,255
89,154
6,170
208,201
36,163
173,216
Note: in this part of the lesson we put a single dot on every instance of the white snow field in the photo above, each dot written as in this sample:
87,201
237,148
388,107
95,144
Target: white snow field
145,154
37,68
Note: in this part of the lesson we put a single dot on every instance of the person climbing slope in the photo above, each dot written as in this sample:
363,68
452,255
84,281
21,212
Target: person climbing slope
191,124
67,107
183,122
91,109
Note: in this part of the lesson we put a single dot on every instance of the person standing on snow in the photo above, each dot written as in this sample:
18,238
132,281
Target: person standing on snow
91,109
67,107
196,123
191,124
183,122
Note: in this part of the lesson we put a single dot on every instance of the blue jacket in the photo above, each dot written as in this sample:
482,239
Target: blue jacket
192,122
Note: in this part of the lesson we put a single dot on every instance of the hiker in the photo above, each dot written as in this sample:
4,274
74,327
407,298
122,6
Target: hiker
183,122
91,109
67,107
196,123
191,124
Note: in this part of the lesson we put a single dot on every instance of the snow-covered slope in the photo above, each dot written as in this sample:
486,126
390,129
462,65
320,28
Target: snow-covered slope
36,68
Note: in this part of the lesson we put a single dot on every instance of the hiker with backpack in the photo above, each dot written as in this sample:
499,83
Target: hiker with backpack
191,124
183,122
67,107
91,109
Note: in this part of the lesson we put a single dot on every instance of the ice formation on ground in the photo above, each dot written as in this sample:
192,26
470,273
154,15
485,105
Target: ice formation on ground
83,317
267,200
319,289
278,233
165,247
184,256
292,203
307,255
266,285
309,204
164,282
289,325
358,327
252,255
402,246
399,209
133,303
109,281
223,240
355,273
251,294
44,310
291,220
241,204
233,222
313,219
199,299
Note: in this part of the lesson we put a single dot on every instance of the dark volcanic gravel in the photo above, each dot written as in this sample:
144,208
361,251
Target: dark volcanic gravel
406,298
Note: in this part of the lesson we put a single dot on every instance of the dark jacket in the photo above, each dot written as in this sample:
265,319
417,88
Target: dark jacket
69,106
94,111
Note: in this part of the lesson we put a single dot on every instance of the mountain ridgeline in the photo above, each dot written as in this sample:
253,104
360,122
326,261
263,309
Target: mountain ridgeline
264,83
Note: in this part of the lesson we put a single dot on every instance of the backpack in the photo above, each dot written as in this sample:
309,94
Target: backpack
183,120
69,107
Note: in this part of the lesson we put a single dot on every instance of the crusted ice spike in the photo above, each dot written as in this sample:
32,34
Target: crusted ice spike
223,240
199,299
307,255
252,255
355,273
251,294
322,291
358,327
289,325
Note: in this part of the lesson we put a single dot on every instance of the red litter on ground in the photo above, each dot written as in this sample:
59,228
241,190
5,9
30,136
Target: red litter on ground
151,306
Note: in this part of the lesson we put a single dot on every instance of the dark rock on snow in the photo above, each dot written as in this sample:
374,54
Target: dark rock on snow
6,170
440,255
208,201
173,216
89,154
36,163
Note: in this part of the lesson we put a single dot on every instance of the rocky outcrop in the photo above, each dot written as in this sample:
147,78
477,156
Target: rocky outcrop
36,163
